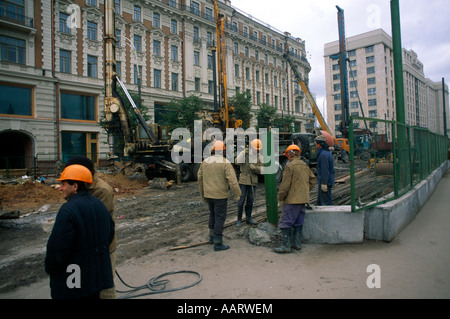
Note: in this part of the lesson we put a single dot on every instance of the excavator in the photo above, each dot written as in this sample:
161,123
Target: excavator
143,145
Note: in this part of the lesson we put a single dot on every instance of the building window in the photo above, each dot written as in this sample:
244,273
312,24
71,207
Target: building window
337,107
92,30
247,73
196,35
297,106
137,73
91,66
236,70
137,41
236,48
13,50
173,3
12,9
210,63
195,8
156,48
15,100
137,13
371,80
117,6
373,113
196,58
92,2
354,105
197,84
173,26
65,61
370,59
156,20
371,70
118,68
353,63
78,107
372,91
257,76
79,143
174,82
373,102
117,34
210,87
209,14
157,78
247,52
174,53
370,49
352,53
63,25
336,87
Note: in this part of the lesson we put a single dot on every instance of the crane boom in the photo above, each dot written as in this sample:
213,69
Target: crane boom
310,98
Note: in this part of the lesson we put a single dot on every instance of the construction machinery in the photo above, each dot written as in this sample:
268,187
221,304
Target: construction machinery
142,145
222,116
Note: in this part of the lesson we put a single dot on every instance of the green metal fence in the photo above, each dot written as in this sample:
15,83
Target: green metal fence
387,159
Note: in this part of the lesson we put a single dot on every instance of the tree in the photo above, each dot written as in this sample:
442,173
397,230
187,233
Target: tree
267,116
183,113
242,103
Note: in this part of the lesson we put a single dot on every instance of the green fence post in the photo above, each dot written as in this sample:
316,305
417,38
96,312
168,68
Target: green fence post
352,165
271,184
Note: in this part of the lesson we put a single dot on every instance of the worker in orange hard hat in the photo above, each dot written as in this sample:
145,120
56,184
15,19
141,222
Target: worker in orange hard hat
294,190
80,237
250,164
215,178
103,191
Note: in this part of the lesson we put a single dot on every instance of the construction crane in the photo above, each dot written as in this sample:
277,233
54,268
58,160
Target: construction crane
222,116
150,151
305,90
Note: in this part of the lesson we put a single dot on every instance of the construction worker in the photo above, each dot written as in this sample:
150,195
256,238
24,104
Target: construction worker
215,177
250,163
293,193
77,257
103,191
325,172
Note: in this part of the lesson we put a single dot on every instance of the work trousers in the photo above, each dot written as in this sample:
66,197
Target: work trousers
246,193
217,214
324,198
293,216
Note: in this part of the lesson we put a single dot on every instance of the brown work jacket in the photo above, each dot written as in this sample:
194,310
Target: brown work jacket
249,166
103,191
298,179
215,178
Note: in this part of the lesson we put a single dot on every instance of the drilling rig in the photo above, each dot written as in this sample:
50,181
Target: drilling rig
146,147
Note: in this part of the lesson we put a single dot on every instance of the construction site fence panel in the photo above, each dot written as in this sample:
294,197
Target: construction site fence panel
387,159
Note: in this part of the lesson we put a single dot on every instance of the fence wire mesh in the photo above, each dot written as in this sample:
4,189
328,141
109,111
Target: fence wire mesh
387,159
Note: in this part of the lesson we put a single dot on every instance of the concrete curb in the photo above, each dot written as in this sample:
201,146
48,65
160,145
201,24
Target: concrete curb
338,225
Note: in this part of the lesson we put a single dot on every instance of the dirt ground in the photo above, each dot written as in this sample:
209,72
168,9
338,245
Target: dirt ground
147,219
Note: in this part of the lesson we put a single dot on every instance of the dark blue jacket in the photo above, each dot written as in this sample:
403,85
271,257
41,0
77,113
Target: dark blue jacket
81,235
325,168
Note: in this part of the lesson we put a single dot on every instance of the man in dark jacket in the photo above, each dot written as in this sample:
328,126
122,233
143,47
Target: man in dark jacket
77,258
325,172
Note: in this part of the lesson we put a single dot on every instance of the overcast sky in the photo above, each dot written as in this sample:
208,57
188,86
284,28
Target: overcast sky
425,29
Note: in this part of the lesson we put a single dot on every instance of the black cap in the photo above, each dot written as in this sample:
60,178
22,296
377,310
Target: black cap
81,160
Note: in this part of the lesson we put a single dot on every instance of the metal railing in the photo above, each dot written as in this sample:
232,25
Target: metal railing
388,159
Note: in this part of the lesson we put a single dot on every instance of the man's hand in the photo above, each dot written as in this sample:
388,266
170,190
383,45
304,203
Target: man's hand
324,188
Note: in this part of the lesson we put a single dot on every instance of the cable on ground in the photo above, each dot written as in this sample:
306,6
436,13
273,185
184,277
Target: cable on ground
156,285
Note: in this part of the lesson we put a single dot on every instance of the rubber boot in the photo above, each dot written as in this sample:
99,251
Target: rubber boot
285,242
239,217
218,246
211,236
297,240
248,216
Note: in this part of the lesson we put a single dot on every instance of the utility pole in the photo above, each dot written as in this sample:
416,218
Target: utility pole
444,106
403,168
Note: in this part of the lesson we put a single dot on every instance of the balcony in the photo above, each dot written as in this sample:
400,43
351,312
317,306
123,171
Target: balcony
14,20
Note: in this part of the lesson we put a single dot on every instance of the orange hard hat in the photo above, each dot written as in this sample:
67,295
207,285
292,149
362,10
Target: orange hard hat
218,146
292,148
76,172
256,144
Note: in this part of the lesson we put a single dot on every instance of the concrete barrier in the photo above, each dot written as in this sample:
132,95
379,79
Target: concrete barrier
338,225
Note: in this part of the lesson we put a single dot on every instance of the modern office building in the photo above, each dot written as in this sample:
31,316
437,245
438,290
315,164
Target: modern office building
51,68
372,85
